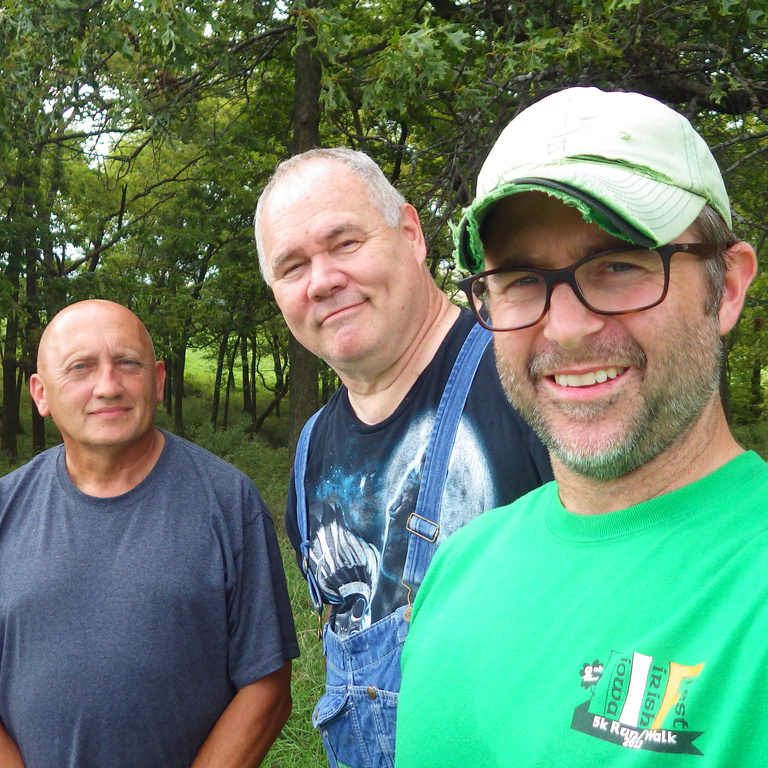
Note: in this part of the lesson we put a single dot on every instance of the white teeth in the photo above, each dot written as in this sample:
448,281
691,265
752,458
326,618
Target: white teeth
588,379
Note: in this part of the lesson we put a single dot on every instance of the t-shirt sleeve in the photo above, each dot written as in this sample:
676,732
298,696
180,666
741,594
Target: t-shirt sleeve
260,623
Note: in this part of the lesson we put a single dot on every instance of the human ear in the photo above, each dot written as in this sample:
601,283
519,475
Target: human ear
741,267
411,228
159,380
37,391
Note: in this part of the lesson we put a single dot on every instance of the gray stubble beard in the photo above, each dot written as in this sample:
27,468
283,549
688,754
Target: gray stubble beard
690,370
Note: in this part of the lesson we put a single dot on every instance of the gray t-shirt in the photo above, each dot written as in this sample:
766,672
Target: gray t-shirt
128,623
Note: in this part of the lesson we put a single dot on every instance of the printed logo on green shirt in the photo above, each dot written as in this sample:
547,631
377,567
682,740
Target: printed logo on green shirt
638,703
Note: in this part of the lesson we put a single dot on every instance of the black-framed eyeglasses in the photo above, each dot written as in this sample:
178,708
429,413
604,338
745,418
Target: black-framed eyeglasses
615,282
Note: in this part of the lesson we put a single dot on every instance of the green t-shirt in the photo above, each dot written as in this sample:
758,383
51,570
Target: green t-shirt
634,638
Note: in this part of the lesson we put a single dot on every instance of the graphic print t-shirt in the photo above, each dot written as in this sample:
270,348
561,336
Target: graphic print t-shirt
362,482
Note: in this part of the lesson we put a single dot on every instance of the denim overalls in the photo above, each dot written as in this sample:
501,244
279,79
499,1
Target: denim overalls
356,715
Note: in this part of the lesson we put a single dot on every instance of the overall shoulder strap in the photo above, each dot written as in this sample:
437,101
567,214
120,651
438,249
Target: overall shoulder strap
424,522
302,510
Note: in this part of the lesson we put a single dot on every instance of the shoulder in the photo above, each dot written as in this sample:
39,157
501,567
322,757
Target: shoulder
186,468
35,484
737,486
472,555
181,449
457,335
43,462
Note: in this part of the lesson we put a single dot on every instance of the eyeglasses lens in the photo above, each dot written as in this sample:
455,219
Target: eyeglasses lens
612,282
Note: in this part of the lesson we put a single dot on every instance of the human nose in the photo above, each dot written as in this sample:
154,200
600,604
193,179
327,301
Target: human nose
107,382
568,321
325,278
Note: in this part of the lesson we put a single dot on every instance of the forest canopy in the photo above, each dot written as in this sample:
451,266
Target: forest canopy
135,137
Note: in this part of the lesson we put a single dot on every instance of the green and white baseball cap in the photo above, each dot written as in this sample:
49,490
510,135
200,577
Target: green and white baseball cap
630,164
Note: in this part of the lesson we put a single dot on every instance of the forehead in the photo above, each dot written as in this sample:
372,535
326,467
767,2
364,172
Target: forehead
90,332
318,186
530,225
315,199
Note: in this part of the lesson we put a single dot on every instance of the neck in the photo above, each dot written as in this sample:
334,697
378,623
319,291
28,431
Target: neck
706,447
111,471
374,395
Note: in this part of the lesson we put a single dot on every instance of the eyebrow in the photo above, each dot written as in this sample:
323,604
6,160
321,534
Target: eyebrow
333,233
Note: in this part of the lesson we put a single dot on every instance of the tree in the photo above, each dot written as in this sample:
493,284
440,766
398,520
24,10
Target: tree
64,82
135,138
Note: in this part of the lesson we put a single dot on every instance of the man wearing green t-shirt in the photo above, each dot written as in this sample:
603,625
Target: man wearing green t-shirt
619,615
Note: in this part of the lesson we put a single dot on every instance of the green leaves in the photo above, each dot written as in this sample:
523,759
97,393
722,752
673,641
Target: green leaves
194,105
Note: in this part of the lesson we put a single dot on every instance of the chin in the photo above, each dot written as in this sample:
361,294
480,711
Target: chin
349,354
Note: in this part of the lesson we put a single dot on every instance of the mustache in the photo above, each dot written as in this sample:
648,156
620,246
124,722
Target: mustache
624,353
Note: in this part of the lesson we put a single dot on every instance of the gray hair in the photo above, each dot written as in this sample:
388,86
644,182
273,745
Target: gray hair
382,194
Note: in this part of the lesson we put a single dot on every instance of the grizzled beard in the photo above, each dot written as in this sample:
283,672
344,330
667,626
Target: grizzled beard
688,375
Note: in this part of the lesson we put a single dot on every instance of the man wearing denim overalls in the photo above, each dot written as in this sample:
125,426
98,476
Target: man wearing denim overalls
413,445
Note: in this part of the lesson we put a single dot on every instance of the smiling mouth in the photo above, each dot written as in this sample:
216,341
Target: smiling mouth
341,310
588,379
110,411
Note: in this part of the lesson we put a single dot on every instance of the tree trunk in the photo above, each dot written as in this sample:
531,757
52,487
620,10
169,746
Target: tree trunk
179,364
302,380
40,256
168,393
247,401
306,135
10,425
277,362
227,390
252,369
217,384
23,226
257,423
31,342
230,381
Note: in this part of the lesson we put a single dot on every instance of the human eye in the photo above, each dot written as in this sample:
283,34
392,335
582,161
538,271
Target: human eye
289,270
77,367
346,245
515,283
526,280
625,264
620,266
622,278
